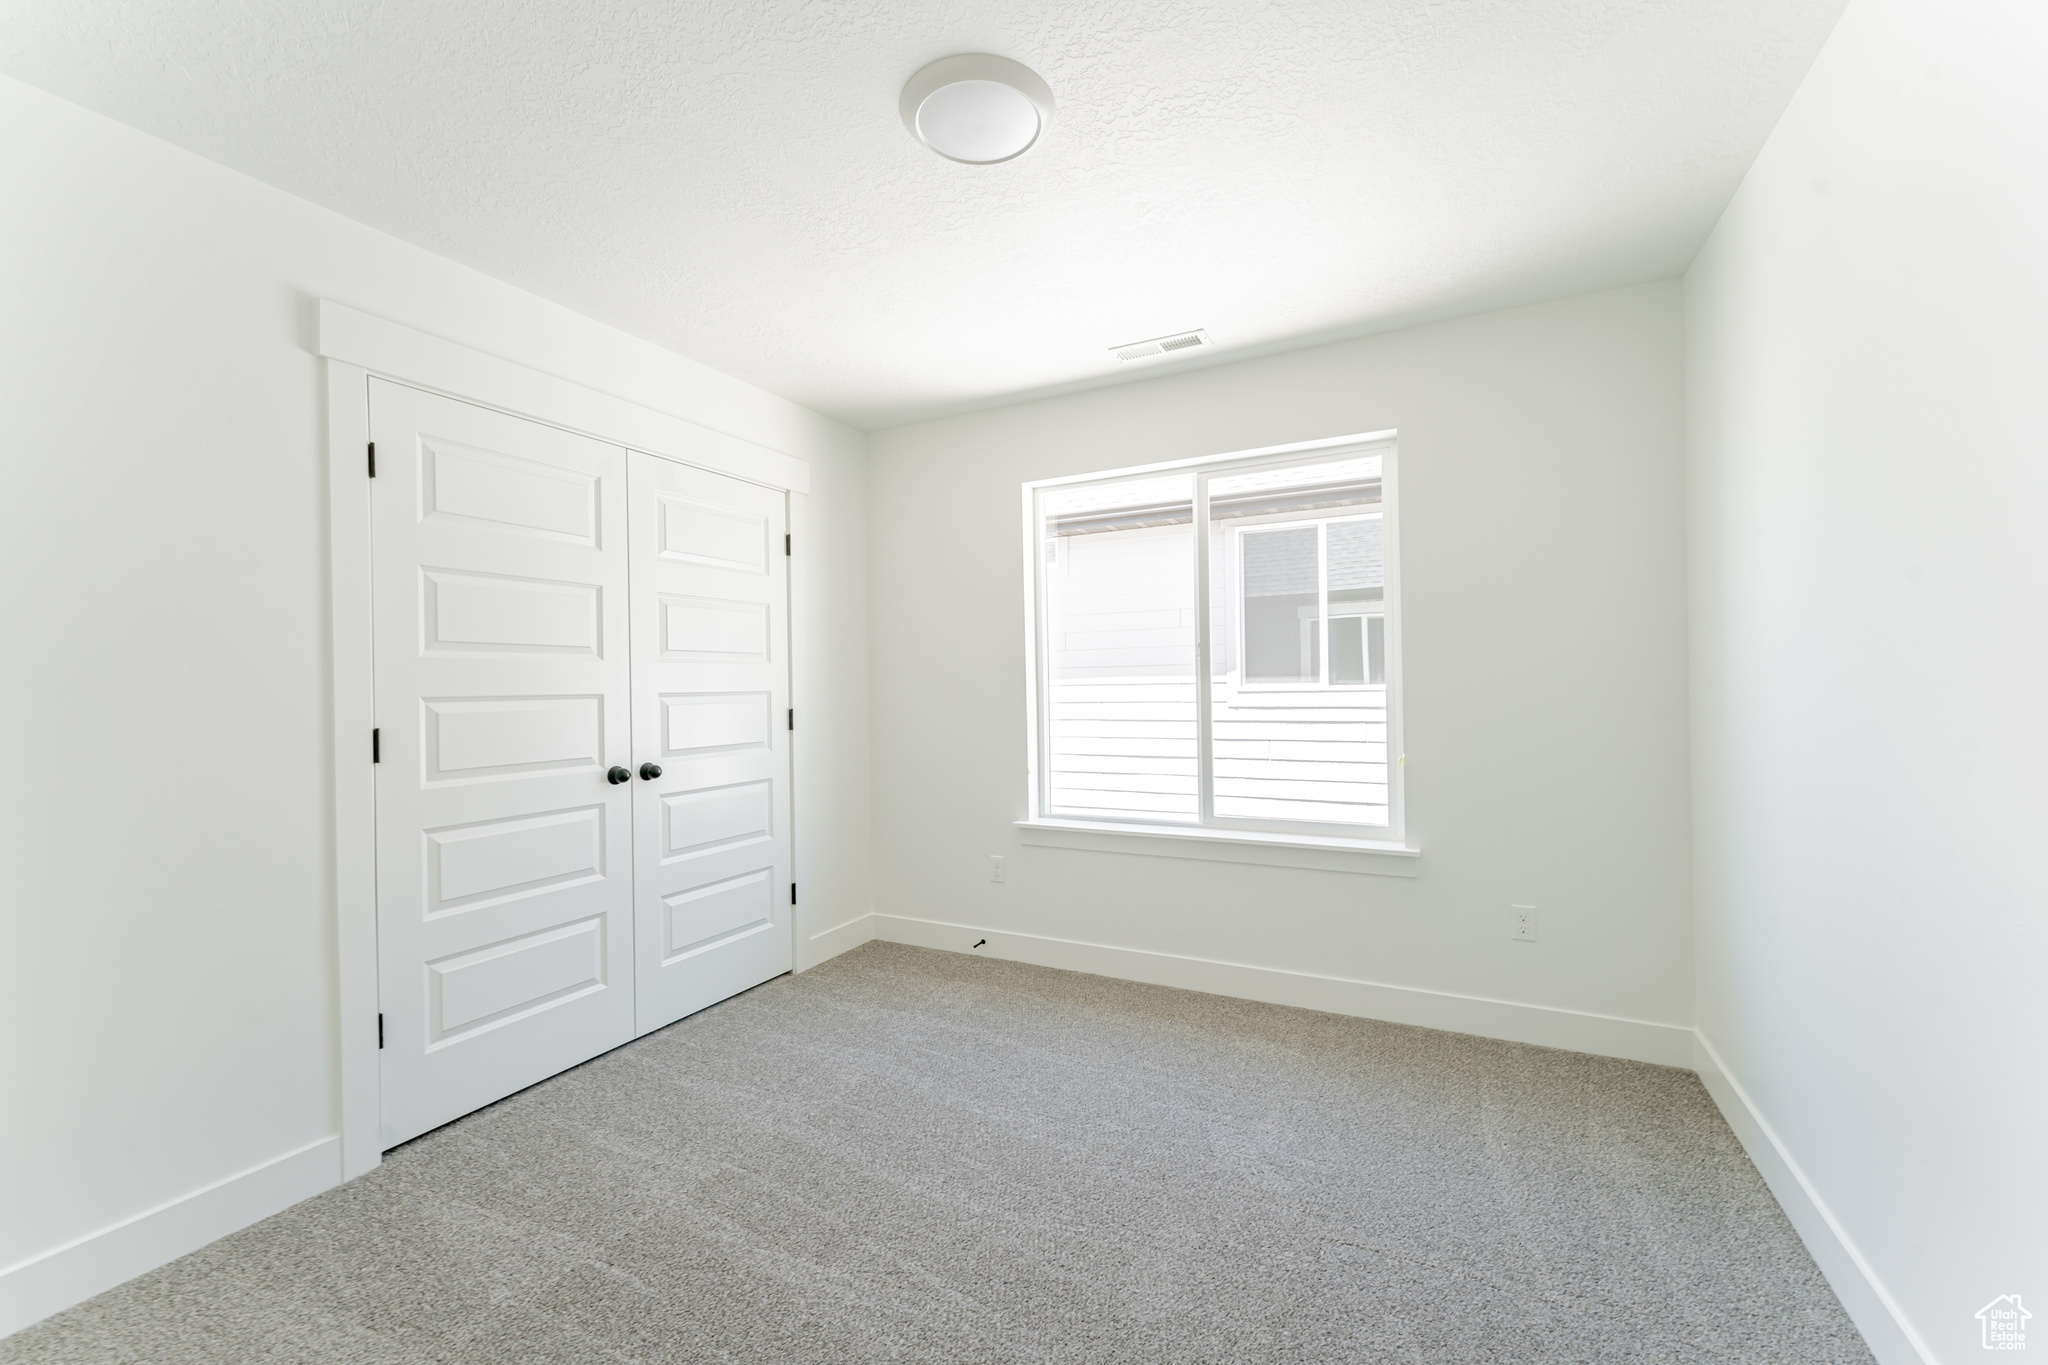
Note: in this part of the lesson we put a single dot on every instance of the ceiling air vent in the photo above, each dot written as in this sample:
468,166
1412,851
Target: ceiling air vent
1145,350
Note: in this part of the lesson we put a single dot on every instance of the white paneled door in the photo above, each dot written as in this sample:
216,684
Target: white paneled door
582,765
711,820
504,852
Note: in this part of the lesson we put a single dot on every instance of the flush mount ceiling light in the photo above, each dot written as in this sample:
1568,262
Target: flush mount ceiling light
976,109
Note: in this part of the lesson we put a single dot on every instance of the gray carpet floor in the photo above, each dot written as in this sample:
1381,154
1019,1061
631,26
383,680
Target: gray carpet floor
919,1156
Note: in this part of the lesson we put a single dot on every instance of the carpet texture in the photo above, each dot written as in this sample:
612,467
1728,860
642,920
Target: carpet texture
919,1156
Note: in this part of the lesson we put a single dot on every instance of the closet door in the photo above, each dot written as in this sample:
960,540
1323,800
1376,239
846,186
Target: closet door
504,855
710,698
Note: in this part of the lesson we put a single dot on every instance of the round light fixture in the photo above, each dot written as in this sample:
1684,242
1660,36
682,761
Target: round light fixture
976,108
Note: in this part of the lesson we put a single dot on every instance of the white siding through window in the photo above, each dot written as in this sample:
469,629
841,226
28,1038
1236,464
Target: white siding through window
1126,746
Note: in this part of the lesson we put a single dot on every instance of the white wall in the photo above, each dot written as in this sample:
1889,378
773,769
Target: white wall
166,976
1543,567
1869,494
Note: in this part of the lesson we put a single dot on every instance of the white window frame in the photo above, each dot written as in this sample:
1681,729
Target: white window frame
1325,845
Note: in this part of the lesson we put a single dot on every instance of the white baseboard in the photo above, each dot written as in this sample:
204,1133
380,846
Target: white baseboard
830,943
1603,1035
1877,1315
53,1281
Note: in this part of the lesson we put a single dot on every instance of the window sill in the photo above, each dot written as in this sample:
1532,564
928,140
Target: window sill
1371,857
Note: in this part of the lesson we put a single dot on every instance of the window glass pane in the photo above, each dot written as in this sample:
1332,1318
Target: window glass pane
1295,743
1347,648
1120,649
1282,632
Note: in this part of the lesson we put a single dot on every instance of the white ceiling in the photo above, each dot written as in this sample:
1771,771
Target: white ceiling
733,181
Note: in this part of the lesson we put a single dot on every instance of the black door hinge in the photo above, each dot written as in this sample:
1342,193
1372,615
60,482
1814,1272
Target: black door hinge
380,1032
786,539
792,718
373,459
792,893
376,746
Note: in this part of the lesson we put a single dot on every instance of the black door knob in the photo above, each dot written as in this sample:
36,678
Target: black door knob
618,775
649,771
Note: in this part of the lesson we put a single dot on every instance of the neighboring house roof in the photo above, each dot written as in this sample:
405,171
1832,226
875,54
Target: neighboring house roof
1283,563
1357,555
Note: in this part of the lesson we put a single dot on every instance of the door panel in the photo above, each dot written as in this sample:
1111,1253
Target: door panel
504,857
711,628
472,989
710,818
708,916
476,739
468,613
710,692
712,722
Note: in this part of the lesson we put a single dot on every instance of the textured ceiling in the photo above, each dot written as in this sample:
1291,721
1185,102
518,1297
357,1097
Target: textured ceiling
733,181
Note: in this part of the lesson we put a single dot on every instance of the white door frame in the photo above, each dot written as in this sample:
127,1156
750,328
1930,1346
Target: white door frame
356,346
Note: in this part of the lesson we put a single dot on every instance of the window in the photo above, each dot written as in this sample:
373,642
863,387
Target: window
1307,583
1287,592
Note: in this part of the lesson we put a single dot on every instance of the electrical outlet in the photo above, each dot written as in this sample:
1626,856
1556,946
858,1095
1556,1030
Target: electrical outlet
1524,922
995,869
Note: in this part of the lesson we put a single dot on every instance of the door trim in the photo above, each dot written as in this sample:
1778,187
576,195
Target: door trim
395,351
356,347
